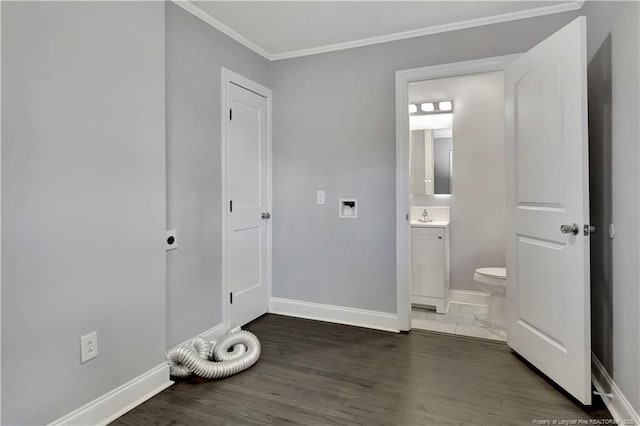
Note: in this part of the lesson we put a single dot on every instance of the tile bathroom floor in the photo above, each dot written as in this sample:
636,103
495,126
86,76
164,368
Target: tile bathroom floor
460,319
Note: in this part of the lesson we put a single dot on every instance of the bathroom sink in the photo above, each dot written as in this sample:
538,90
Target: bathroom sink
432,224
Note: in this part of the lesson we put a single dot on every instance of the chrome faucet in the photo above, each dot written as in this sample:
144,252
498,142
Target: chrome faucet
425,216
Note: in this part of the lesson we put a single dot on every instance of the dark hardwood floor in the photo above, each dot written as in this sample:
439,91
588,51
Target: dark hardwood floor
316,373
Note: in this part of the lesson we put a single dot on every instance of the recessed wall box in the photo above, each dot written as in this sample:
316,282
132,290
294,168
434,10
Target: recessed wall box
348,208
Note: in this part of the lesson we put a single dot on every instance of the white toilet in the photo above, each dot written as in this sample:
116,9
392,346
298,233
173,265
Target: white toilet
494,281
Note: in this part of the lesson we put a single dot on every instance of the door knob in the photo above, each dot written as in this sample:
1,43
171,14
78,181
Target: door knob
570,229
266,215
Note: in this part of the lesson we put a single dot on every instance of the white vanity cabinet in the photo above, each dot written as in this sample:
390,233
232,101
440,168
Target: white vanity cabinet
430,265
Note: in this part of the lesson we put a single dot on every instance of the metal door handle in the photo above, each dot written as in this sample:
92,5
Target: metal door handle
570,229
266,215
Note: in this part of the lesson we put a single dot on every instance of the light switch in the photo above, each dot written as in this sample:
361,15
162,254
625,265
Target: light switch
320,196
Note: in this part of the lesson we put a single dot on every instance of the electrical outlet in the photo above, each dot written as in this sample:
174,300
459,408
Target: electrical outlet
89,347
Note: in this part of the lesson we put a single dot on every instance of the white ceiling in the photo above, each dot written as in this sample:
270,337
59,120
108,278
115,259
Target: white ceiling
282,29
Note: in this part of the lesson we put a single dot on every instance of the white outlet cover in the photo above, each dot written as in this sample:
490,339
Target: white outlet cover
320,197
88,347
174,245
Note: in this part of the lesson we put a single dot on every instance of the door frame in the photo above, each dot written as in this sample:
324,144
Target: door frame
0,213
231,77
403,241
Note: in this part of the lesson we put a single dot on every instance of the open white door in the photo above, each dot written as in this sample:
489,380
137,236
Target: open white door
548,187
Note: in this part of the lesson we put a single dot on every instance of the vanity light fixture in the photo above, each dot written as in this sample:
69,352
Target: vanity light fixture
427,107
445,106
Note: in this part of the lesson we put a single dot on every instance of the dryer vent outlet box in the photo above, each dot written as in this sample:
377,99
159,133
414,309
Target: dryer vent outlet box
171,241
348,208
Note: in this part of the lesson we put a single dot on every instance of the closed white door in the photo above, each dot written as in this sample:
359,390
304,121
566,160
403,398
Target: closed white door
247,173
548,208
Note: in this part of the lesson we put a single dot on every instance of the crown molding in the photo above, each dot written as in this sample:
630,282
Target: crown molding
199,13
471,23
478,22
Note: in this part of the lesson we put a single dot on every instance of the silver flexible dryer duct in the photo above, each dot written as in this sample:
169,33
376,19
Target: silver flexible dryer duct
236,352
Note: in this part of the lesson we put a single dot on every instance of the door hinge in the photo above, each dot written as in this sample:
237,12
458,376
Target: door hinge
231,298
230,205
230,114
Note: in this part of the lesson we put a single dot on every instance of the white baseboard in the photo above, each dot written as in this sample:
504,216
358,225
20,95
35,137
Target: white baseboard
336,314
214,333
469,297
114,404
618,404
439,303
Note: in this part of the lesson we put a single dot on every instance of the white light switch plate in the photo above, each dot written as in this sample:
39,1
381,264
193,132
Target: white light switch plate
320,197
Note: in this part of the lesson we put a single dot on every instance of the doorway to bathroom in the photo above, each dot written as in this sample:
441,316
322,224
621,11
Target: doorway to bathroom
546,203
457,219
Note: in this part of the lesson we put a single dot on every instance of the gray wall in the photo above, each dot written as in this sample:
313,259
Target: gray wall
83,198
478,198
195,52
334,129
614,107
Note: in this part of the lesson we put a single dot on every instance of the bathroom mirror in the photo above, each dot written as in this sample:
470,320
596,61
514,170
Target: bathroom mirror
431,147
431,161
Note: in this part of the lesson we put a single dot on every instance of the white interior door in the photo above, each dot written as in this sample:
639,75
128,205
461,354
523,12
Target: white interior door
547,186
247,174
